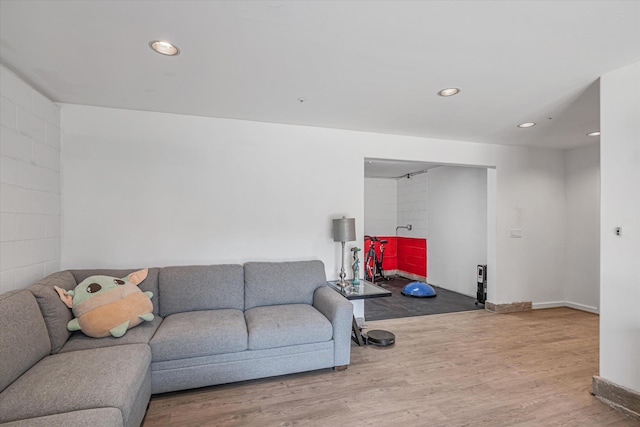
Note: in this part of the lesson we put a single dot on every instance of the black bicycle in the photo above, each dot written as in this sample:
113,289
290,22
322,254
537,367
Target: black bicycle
373,270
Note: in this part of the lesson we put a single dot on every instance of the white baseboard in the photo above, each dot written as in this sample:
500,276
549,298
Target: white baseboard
541,305
583,307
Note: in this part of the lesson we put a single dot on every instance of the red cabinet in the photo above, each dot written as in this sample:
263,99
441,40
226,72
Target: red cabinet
406,254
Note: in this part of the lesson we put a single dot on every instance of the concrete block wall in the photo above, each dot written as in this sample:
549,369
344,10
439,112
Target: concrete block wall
412,205
29,183
380,206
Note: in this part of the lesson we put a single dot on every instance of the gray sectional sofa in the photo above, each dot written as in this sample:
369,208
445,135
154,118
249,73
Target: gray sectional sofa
213,324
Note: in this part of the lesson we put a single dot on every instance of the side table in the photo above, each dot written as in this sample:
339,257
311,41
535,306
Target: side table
366,290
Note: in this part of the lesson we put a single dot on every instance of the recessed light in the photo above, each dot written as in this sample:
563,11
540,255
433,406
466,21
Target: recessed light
596,133
164,47
450,91
526,125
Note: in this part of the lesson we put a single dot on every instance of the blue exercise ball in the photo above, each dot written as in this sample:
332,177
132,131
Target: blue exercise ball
418,289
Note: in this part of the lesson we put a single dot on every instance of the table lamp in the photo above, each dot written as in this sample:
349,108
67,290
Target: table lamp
344,230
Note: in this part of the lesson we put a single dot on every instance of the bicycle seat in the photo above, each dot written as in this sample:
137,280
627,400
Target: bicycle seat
383,241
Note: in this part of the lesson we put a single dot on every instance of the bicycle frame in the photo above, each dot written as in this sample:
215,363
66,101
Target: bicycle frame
373,265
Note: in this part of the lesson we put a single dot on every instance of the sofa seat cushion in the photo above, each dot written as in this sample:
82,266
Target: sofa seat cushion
116,377
285,325
199,333
141,334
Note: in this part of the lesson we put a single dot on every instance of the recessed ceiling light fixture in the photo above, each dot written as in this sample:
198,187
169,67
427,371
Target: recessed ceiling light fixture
596,133
526,125
164,47
450,91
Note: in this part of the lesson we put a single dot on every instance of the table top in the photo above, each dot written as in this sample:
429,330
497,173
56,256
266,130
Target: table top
366,290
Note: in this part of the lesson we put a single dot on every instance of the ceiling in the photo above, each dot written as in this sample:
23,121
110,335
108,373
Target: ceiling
396,169
370,66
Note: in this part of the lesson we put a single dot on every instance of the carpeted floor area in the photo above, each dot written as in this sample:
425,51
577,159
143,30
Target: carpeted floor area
398,305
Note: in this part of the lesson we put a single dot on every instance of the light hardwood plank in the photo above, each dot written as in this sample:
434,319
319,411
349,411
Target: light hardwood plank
474,368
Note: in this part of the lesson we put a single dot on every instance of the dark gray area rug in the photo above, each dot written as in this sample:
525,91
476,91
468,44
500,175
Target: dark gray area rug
398,305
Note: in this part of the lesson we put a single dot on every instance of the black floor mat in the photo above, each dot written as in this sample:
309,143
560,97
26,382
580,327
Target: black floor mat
398,305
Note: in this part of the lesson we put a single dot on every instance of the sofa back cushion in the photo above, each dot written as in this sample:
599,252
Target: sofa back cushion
148,284
56,315
274,283
200,287
23,335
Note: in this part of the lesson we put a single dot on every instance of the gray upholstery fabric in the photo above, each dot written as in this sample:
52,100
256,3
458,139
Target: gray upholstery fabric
56,315
140,334
285,325
24,339
149,284
261,366
108,377
241,356
204,340
339,311
199,333
99,417
200,287
274,283
140,401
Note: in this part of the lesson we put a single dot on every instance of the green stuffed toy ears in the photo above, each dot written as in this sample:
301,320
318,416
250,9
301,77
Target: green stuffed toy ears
137,276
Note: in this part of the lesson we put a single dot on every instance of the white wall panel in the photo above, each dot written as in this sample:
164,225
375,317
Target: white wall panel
457,240
620,201
380,207
29,183
582,286
197,190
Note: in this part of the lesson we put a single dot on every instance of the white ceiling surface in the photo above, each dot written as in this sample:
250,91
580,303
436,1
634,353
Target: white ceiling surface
371,66
385,168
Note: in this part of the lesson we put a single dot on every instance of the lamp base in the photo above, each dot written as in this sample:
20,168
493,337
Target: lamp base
342,283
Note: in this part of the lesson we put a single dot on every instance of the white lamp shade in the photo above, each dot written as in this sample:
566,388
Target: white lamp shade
344,229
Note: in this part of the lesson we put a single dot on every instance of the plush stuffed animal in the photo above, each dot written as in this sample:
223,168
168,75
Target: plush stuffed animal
104,305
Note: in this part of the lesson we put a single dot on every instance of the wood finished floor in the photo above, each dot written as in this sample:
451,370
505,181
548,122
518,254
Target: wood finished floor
460,369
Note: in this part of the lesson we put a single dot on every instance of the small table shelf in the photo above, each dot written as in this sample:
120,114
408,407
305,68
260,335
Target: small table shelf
365,290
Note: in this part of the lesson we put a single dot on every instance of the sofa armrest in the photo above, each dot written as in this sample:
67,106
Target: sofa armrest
339,311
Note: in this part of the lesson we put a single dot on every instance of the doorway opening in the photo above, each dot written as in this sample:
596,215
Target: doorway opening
435,218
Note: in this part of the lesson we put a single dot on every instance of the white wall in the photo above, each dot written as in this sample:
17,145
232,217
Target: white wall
620,255
458,227
380,206
29,184
582,285
412,206
530,197
144,188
